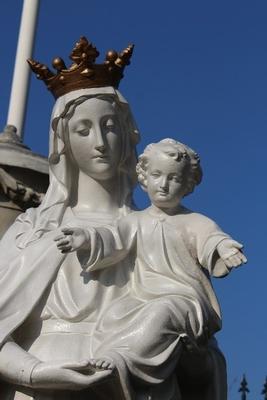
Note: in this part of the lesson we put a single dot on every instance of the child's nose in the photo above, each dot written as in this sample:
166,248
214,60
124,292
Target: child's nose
164,183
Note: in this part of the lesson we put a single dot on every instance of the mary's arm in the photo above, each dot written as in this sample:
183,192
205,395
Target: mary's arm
16,365
21,368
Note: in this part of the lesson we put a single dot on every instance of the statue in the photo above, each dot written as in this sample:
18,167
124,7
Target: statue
98,300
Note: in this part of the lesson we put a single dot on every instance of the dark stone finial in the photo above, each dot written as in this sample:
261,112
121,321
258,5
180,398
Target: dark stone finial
244,388
264,390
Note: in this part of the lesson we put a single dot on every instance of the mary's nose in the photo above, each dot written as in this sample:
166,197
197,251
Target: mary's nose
100,148
99,139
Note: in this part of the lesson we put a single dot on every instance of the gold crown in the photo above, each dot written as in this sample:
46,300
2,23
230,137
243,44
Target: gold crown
83,73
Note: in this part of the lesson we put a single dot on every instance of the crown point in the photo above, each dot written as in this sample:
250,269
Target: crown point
125,56
41,70
59,64
84,51
111,56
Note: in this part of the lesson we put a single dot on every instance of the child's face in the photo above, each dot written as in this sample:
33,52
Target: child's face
165,181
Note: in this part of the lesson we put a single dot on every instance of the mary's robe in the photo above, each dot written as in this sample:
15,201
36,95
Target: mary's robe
49,305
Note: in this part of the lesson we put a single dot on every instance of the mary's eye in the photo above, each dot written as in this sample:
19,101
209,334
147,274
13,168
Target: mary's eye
84,128
83,132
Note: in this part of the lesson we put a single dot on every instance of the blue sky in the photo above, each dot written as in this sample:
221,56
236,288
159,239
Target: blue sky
198,74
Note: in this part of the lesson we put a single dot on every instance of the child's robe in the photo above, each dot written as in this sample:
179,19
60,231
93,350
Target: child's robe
170,293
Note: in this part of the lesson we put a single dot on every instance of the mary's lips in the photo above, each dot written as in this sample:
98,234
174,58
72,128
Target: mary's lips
102,156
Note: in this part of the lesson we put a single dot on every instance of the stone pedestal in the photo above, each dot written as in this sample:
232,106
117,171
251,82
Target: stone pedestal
23,178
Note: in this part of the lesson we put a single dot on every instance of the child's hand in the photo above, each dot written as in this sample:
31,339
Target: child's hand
230,251
72,239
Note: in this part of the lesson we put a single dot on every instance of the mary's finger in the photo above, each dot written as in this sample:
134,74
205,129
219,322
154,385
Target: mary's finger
95,378
75,365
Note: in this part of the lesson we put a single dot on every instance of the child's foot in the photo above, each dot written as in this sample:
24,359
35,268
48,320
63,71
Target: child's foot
101,364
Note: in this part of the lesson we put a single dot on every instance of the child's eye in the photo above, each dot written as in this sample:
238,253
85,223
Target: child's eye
175,178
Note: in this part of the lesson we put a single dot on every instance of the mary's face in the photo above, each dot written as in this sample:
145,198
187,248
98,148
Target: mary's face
95,139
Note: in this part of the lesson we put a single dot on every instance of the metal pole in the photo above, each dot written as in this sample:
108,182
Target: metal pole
20,83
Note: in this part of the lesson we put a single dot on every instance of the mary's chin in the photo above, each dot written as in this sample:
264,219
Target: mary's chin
101,171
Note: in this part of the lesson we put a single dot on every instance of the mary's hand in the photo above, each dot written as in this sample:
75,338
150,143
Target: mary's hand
230,252
68,375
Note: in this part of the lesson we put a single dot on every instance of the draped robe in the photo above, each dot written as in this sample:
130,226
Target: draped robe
142,287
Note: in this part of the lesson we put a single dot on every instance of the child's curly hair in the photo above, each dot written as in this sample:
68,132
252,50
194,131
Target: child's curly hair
177,151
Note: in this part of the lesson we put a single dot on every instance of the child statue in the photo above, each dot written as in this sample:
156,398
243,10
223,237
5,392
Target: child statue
175,251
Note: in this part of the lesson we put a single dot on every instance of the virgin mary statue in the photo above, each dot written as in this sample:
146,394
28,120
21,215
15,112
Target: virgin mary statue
50,305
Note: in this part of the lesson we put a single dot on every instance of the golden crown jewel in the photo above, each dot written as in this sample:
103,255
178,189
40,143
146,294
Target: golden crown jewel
83,73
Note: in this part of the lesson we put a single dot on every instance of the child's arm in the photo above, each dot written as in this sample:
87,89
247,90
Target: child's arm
73,239
98,247
216,250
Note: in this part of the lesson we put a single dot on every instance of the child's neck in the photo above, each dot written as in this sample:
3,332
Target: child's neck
169,211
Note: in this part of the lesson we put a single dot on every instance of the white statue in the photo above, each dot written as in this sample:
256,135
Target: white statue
98,301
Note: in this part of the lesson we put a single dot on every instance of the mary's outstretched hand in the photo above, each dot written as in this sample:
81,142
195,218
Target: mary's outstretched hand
70,375
230,252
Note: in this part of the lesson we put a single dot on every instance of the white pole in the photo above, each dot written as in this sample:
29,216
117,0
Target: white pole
20,84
